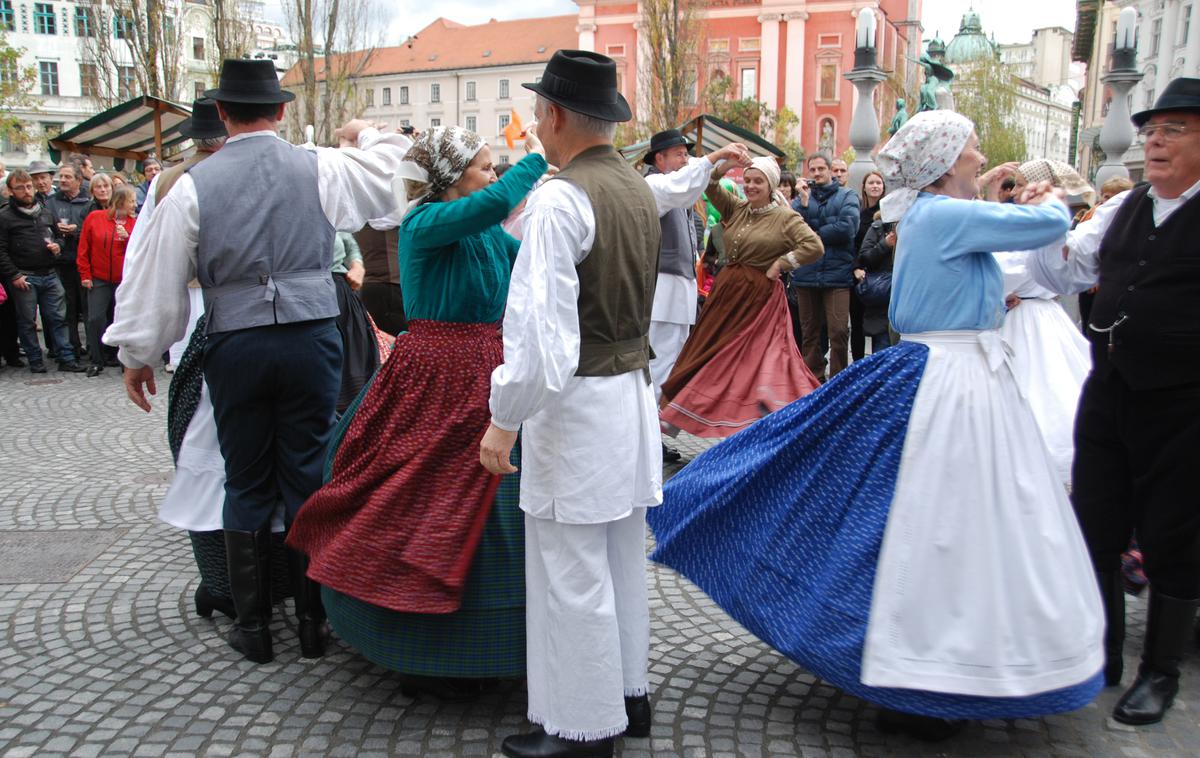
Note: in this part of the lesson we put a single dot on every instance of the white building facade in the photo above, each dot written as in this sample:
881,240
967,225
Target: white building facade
59,43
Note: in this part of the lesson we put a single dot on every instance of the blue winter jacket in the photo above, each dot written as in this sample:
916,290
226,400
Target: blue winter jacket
833,213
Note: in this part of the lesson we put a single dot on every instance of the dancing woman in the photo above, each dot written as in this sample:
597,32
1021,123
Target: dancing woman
420,555
741,358
901,532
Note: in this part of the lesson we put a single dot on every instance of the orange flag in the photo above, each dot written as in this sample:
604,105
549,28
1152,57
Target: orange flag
513,131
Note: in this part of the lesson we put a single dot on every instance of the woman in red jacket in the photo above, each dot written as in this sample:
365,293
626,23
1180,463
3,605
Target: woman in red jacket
101,258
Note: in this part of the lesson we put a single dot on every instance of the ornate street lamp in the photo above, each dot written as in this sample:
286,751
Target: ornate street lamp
1117,133
865,76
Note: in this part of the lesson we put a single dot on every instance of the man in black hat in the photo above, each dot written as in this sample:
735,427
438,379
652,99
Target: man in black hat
273,358
677,182
576,380
1137,429
207,132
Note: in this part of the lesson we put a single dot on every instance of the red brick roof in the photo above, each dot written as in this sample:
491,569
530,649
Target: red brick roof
447,45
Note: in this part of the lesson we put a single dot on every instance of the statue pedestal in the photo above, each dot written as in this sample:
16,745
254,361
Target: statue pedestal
864,127
1117,133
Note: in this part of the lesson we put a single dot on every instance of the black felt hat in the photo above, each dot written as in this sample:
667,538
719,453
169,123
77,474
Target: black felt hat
249,81
1182,94
583,82
665,139
204,122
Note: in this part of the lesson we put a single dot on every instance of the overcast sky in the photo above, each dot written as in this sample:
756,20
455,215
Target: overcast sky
1011,21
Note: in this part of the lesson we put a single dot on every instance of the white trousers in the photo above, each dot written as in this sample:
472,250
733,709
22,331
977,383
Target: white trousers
666,339
588,623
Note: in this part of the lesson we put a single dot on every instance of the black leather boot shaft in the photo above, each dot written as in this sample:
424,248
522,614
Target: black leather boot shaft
1168,629
249,560
1112,592
310,612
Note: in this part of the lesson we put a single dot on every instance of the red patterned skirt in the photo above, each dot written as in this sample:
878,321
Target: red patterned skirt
398,521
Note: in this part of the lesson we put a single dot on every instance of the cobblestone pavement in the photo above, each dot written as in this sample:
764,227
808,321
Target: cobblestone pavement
102,653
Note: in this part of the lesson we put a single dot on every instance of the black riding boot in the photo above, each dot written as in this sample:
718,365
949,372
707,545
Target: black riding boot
249,556
1112,592
1167,630
207,602
310,613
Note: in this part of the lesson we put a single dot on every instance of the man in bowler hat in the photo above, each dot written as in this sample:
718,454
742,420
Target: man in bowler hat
273,358
576,380
1137,429
677,181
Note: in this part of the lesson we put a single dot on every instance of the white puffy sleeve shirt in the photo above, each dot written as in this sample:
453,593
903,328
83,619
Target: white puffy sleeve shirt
354,184
590,447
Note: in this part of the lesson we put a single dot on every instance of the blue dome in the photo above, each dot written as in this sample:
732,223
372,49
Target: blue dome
970,44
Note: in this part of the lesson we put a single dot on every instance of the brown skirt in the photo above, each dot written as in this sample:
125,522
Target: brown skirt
738,295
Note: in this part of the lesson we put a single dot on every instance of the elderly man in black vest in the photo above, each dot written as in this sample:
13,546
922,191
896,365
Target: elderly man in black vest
273,357
576,381
1137,430
677,181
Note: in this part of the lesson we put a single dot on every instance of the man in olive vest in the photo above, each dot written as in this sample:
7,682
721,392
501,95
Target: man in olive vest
1137,429
273,358
576,379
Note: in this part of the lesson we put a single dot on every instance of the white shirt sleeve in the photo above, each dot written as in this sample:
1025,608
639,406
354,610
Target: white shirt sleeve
152,306
355,183
1080,270
682,188
541,319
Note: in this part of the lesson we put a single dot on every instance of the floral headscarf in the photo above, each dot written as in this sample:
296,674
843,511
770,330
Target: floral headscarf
918,155
1057,173
435,162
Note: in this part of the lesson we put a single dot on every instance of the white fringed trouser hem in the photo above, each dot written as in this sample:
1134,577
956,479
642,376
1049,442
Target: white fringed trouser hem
578,735
637,691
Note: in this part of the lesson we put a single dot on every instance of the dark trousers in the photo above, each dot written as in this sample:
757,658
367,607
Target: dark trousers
101,298
273,392
45,295
9,347
879,340
385,303
858,337
74,296
1135,469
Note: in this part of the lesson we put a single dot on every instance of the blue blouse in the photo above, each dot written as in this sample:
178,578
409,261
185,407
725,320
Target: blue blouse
945,276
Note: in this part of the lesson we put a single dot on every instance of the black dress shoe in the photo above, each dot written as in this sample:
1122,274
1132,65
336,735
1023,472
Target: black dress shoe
71,368
1168,625
95,371
670,455
538,744
637,709
924,728
37,368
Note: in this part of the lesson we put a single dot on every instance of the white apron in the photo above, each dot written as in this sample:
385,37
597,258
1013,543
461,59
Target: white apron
984,586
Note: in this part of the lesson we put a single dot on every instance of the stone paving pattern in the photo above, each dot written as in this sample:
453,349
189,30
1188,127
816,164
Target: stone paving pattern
114,661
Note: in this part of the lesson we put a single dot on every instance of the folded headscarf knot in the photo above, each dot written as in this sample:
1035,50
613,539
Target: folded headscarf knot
924,149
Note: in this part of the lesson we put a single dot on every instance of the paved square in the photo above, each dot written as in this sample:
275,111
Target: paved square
48,557
113,661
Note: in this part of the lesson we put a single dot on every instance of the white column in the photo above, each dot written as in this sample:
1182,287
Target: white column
768,61
587,37
797,64
1192,65
1166,46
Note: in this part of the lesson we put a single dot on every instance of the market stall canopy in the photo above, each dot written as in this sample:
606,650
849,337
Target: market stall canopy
133,130
711,133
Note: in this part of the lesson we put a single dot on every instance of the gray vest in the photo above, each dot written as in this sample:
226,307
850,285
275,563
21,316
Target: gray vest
265,246
678,243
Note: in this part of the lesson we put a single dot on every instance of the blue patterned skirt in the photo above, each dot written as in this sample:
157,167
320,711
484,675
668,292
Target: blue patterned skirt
782,525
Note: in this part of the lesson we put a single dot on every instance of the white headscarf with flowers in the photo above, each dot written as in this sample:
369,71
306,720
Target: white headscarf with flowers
924,149
434,163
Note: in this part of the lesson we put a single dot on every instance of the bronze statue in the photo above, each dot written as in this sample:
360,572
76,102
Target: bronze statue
900,118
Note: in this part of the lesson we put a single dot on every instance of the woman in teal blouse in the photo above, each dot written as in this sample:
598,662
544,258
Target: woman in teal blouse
419,548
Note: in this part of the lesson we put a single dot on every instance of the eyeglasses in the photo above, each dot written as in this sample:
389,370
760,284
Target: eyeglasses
1169,132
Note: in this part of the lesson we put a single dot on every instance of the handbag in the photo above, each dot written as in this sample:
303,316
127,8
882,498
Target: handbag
875,290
